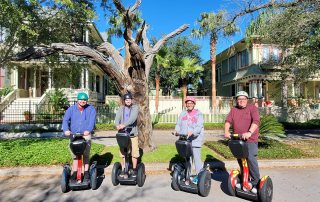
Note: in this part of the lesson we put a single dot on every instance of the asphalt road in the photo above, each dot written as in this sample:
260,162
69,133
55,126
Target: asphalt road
294,185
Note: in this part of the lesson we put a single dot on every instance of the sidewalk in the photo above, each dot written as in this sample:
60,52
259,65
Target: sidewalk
157,168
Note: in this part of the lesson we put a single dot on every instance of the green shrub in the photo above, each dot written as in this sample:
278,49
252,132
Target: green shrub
311,124
5,90
105,126
269,126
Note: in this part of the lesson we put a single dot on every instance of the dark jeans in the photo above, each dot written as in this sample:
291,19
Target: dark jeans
252,162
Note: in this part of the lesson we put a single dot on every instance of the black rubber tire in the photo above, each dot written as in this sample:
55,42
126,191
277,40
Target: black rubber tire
204,183
64,182
116,170
231,190
266,191
175,181
141,175
93,178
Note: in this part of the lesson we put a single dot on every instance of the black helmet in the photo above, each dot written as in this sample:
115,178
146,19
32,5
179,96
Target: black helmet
127,96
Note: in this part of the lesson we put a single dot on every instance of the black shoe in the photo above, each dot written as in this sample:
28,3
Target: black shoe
134,173
73,177
86,176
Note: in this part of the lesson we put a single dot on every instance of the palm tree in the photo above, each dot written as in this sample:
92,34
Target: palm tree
187,66
211,24
162,59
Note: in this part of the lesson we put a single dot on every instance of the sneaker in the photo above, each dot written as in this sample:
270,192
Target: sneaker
195,180
74,175
254,190
187,182
86,176
238,185
123,174
134,173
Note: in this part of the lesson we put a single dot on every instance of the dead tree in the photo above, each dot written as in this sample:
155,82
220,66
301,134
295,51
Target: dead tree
131,77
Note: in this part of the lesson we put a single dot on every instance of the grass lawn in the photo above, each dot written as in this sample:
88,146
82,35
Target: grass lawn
34,151
268,149
54,151
311,148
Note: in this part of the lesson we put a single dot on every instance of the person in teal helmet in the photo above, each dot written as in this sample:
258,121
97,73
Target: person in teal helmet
80,118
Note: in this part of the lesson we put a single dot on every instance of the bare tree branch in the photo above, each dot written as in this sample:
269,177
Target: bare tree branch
271,4
119,6
135,6
139,32
145,41
110,50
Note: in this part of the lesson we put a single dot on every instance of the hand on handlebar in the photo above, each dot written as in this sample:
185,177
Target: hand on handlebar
190,133
120,126
227,135
246,135
67,133
85,133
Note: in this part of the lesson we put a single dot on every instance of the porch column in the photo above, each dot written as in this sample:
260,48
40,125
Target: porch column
240,87
87,79
293,89
15,78
250,89
94,83
34,89
254,89
101,84
82,79
259,88
50,78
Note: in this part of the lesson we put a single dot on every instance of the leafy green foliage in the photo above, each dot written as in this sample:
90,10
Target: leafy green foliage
268,149
58,100
269,126
5,90
311,124
34,152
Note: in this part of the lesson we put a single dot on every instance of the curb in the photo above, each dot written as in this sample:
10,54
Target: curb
159,168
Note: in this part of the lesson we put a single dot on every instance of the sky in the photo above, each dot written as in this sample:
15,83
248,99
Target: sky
164,16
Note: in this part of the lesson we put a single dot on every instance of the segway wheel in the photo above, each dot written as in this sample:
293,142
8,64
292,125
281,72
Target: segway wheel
233,179
141,175
116,170
65,176
204,183
266,191
93,178
175,181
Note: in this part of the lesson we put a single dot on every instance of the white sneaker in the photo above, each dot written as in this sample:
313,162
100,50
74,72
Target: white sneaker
254,190
238,185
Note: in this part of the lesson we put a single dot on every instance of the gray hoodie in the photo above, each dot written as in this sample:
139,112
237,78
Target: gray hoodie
196,127
131,122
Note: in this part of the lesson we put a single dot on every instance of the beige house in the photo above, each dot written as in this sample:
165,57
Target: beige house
33,78
251,67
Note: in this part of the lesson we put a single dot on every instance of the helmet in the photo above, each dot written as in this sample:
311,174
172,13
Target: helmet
127,96
82,96
242,93
190,98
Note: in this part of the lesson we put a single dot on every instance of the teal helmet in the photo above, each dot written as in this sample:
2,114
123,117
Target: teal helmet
82,96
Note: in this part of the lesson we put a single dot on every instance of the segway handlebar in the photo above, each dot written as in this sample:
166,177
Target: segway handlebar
126,130
235,136
181,136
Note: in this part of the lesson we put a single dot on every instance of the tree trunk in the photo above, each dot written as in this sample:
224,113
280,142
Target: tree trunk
184,91
157,88
213,42
284,92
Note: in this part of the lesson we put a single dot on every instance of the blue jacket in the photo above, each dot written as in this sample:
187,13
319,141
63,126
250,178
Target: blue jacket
78,122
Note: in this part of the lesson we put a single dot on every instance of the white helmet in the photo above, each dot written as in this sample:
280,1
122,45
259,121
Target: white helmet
242,93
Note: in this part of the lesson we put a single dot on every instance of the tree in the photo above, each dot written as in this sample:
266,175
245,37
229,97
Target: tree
211,24
163,60
134,78
185,67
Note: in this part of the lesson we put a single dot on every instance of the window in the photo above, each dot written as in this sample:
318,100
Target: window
244,58
98,84
232,64
275,55
224,67
2,77
265,55
218,72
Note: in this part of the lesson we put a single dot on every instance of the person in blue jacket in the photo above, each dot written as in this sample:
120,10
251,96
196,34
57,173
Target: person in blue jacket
80,118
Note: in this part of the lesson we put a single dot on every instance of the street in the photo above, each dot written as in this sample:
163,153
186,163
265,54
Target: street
290,184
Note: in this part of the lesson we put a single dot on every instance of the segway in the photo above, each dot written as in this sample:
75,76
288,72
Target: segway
124,142
78,145
238,183
181,175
